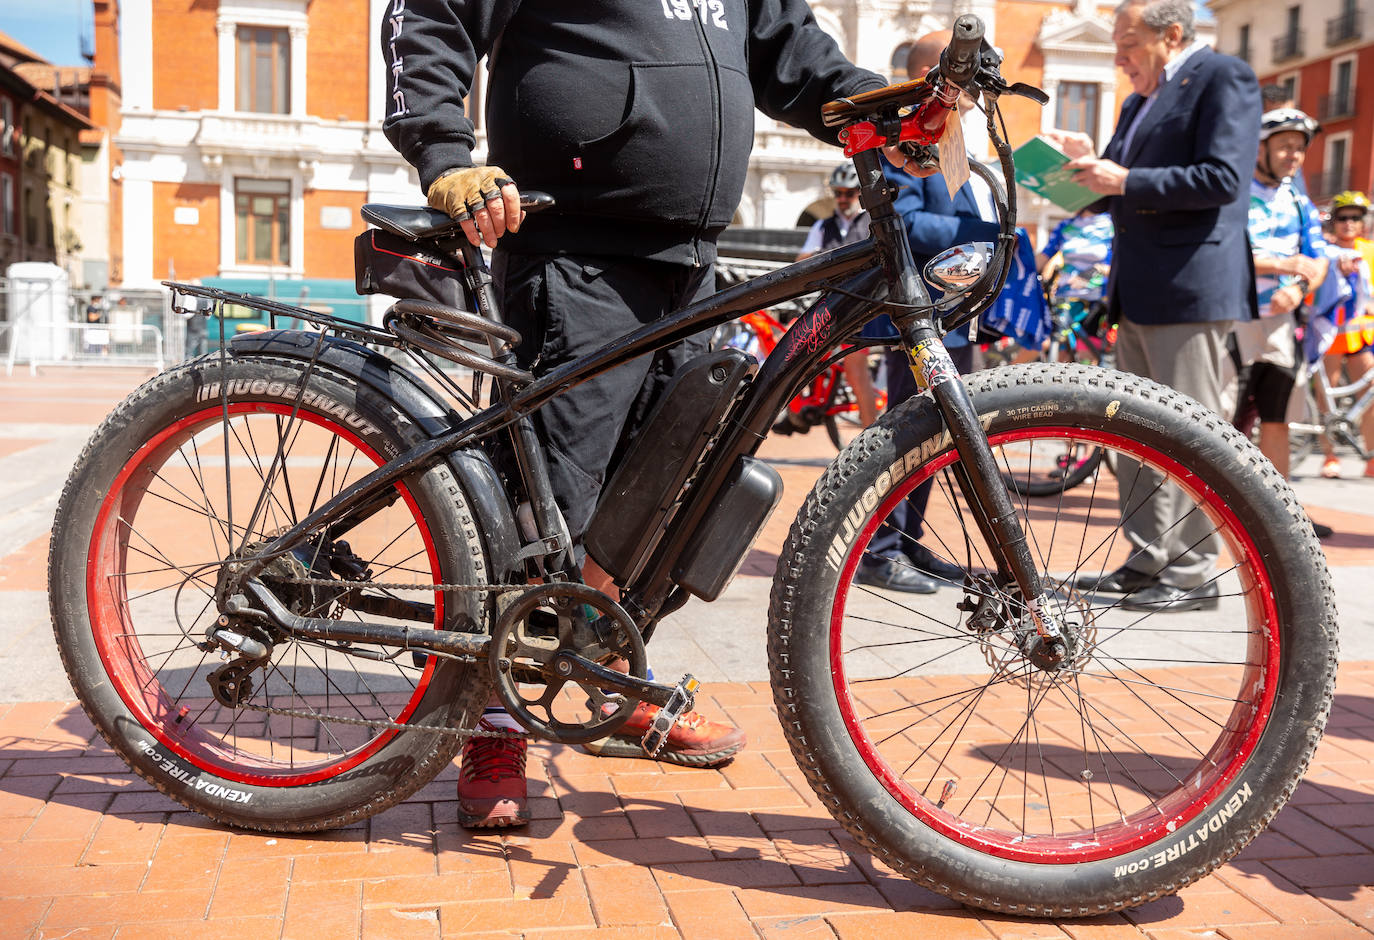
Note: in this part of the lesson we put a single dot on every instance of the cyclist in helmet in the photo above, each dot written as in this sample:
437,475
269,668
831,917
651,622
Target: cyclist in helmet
845,226
1290,258
1353,345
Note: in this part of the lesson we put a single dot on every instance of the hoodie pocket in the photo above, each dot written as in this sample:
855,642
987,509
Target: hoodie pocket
657,162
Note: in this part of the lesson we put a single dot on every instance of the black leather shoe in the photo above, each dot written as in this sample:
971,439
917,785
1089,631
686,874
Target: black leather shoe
1167,599
1121,581
895,575
935,566
1321,531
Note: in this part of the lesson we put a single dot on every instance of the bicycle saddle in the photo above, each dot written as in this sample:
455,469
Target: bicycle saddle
417,222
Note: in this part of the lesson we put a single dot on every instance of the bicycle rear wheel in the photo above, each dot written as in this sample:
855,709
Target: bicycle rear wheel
939,734
198,469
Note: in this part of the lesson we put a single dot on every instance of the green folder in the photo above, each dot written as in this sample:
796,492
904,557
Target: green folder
1040,168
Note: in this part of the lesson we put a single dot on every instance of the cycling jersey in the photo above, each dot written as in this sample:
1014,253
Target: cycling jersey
1282,223
1085,242
1354,325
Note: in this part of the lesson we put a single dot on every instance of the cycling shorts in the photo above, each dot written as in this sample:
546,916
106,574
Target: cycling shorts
1267,389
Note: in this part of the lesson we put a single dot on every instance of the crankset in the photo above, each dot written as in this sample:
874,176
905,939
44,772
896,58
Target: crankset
561,633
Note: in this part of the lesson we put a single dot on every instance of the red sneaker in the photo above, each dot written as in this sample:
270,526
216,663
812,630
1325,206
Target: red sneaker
491,784
693,742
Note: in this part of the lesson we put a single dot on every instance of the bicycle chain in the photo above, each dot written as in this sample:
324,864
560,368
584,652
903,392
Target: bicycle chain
382,722
401,586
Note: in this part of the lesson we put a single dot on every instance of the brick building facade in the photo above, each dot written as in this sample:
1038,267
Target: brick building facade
41,154
1318,50
250,130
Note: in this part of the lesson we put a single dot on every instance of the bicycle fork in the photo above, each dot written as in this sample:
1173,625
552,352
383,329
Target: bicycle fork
980,480
976,473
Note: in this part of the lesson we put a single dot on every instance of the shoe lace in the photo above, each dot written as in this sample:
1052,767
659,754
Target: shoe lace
495,758
691,720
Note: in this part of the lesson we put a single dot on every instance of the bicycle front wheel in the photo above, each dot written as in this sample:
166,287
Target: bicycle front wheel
196,471
940,735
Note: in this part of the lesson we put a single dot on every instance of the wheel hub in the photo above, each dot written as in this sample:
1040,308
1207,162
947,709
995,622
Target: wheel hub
998,618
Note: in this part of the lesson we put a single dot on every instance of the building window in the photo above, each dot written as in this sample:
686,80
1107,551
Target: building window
1336,168
1076,107
1340,103
1289,44
7,225
1289,84
1243,49
264,70
262,216
7,129
30,217
1345,27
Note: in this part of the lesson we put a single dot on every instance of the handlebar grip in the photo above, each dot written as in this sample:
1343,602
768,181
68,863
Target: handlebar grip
959,61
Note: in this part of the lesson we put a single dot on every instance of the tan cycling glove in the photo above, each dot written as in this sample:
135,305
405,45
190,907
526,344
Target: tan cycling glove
461,192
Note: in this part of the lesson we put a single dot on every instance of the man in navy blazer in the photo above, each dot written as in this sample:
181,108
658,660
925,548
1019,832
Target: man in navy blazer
1176,177
897,559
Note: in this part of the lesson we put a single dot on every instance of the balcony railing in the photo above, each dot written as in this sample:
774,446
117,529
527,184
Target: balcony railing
1345,28
1328,184
1338,106
1288,46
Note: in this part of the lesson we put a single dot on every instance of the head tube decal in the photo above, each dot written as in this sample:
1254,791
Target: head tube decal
931,364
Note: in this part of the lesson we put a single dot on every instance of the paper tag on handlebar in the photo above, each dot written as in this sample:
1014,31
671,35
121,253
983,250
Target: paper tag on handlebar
953,154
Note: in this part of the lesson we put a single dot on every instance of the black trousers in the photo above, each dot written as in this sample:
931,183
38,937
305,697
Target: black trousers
566,306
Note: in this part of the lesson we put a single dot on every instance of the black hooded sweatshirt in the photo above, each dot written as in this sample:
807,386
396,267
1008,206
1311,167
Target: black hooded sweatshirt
636,115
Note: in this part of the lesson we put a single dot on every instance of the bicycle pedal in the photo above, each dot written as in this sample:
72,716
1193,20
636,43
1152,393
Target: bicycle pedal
681,701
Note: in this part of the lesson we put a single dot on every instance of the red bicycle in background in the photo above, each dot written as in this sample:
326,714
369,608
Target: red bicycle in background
825,400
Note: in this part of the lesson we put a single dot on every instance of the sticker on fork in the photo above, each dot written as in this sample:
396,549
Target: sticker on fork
931,364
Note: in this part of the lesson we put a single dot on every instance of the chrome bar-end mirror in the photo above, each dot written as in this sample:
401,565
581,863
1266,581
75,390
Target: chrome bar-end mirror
955,270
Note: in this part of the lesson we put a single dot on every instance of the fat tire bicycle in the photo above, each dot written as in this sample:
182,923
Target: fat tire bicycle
286,576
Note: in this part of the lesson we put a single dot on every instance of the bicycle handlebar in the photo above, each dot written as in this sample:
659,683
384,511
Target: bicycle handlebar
960,59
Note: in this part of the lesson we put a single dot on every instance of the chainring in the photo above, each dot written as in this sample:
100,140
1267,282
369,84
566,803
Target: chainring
549,619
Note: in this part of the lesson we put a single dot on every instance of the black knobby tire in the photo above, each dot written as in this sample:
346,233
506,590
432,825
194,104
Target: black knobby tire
1164,745
141,536
1063,469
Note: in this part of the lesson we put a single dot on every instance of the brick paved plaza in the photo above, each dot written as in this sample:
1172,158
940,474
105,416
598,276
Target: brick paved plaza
618,848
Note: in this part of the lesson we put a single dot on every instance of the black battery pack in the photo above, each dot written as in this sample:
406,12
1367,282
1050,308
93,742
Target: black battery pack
645,488
738,513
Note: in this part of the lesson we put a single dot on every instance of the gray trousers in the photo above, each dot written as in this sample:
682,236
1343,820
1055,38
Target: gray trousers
1172,539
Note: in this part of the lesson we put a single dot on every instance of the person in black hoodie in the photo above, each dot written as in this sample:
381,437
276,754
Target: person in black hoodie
638,117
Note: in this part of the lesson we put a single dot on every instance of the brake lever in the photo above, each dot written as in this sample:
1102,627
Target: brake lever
990,79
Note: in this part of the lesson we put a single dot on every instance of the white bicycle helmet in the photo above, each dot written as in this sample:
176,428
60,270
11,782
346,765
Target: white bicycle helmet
844,176
1287,119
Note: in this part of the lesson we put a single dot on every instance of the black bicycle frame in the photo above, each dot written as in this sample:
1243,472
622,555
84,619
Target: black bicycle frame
857,282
